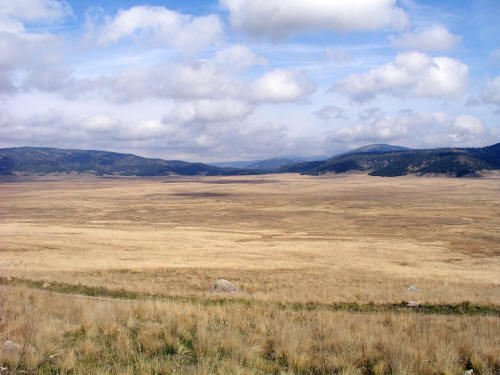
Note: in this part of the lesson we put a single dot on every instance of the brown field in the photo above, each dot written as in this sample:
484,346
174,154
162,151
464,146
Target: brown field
283,240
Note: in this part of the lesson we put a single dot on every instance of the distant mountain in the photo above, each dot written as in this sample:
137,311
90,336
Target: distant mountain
234,164
267,164
37,160
271,164
454,162
376,148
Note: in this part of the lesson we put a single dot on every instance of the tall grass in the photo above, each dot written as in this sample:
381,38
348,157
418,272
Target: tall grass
69,335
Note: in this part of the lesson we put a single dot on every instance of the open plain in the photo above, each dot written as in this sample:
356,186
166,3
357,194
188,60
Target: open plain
325,266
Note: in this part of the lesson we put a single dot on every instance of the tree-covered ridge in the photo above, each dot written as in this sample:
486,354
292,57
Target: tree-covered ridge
35,160
454,162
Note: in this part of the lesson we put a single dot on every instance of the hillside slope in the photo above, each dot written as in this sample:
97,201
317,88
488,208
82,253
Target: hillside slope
454,162
376,148
270,164
36,160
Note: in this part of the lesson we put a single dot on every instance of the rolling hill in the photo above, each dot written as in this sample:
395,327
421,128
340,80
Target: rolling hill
234,164
271,164
36,160
268,164
376,148
456,162
394,161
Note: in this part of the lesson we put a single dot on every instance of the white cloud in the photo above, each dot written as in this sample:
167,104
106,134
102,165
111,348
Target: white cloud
183,91
155,25
464,126
492,93
211,79
330,112
281,85
41,11
412,74
24,57
49,120
209,111
98,122
195,80
338,55
433,38
277,18
418,130
198,80
238,58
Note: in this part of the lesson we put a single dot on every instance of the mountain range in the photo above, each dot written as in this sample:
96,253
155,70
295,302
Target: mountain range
377,160
39,160
267,164
455,162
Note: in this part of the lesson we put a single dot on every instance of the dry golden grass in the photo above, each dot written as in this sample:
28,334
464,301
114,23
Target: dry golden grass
69,335
280,237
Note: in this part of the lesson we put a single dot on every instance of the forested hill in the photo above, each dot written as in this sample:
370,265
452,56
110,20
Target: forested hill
36,160
456,162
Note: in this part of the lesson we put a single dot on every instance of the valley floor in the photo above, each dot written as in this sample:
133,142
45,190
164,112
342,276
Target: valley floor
325,266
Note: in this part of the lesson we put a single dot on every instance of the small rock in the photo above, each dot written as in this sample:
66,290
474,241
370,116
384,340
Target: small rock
46,284
11,346
469,372
413,288
224,286
412,304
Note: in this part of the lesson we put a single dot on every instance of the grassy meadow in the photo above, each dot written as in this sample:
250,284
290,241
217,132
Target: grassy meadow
112,275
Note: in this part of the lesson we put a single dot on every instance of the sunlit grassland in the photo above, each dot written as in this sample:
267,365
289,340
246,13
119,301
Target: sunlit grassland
67,334
323,263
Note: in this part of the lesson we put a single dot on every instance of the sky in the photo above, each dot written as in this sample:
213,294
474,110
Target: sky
220,80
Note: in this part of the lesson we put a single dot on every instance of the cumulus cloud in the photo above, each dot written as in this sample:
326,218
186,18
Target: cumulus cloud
412,74
330,112
155,25
419,130
209,111
201,135
212,79
183,91
370,113
466,125
491,94
277,18
193,80
281,85
433,38
40,11
32,55
238,58
200,79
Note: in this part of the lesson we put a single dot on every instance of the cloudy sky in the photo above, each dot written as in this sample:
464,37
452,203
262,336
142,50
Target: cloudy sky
216,80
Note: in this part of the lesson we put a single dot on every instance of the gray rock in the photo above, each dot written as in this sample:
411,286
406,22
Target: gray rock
469,372
11,346
413,288
412,304
224,286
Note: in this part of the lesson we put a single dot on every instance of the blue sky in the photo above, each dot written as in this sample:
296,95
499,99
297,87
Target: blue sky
248,79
